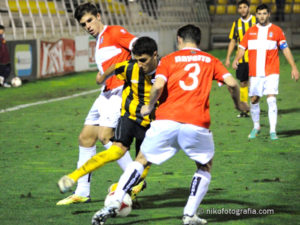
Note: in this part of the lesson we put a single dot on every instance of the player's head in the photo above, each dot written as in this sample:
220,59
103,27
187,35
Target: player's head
2,28
244,8
263,14
144,51
188,34
89,18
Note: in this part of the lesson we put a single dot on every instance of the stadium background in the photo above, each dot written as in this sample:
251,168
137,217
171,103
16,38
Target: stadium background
45,40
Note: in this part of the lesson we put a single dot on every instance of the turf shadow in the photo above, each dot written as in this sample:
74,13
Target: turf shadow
286,111
289,133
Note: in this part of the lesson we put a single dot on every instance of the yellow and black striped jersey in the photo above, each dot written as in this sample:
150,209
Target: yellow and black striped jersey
136,90
238,30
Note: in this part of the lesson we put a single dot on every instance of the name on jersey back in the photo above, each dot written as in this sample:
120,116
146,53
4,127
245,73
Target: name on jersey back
192,58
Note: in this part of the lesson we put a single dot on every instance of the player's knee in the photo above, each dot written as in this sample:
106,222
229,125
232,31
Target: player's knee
105,136
141,159
254,99
86,140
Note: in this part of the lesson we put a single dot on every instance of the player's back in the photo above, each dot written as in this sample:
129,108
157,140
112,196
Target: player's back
189,74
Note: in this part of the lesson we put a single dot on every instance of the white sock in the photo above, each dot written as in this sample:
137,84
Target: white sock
198,189
130,176
272,113
255,111
125,161
84,183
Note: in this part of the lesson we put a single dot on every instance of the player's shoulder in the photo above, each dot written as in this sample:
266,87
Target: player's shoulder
275,27
116,29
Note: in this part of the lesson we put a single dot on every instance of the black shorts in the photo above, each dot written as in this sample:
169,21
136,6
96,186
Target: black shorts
242,72
128,129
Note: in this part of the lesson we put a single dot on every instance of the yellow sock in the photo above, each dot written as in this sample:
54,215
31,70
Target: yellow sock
145,172
244,94
97,161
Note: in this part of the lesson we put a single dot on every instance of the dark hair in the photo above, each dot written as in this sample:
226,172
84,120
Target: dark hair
2,27
84,8
243,2
190,33
262,7
144,45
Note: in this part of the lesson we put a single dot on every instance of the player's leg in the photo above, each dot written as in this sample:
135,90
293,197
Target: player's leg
139,135
271,90
197,143
109,118
154,147
87,149
255,92
242,74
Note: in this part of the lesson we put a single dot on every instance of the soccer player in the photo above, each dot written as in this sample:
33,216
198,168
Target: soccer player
138,74
238,30
183,80
4,60
263,42
113,45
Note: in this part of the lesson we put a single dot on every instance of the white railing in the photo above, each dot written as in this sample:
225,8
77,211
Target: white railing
136,16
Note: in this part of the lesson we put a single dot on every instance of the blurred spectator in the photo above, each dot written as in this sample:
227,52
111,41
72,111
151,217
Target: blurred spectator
4,60
280,10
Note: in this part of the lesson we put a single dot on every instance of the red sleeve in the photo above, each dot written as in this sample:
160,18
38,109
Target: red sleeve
244,41
220,71
162,70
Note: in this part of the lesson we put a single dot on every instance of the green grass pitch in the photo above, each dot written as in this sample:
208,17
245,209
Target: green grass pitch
39,144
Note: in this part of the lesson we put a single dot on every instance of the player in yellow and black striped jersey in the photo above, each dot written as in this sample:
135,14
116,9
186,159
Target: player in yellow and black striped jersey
238,30
138,75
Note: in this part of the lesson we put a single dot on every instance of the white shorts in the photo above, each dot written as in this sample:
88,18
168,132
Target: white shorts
106,109
260,86
166,137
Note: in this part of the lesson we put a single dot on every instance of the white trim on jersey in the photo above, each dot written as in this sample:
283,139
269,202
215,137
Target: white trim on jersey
161,76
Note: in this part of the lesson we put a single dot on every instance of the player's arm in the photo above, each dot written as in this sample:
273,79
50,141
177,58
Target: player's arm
155,93
289,57
230,49
234,90
239,55
101,78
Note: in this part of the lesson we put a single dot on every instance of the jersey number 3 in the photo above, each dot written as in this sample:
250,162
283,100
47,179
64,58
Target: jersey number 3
193,75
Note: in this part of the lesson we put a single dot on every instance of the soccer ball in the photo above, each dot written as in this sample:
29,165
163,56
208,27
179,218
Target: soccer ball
16,82
126,205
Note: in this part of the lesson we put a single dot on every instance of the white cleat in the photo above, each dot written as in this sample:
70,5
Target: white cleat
65,183
193,220
106,212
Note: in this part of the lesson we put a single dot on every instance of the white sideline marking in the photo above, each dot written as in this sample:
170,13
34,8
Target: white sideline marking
48,101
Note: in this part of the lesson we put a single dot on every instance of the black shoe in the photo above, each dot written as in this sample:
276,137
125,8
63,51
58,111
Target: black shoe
243,114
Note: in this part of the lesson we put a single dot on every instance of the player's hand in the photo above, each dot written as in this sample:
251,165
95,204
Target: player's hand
235,64
99,78
295,74
146,110
227,63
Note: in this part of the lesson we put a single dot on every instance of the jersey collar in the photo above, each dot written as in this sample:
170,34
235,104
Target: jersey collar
245,21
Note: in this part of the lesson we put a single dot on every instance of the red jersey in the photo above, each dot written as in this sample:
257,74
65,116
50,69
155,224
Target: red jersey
114,44
262,43
189,74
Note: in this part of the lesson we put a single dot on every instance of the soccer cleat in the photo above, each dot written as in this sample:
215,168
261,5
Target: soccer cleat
243,114
253,133
273,136
137,189
73,199
103,214
65,183
6,85
193,220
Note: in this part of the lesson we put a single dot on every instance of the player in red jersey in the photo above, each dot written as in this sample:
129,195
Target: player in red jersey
183,81
263,42
114,44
